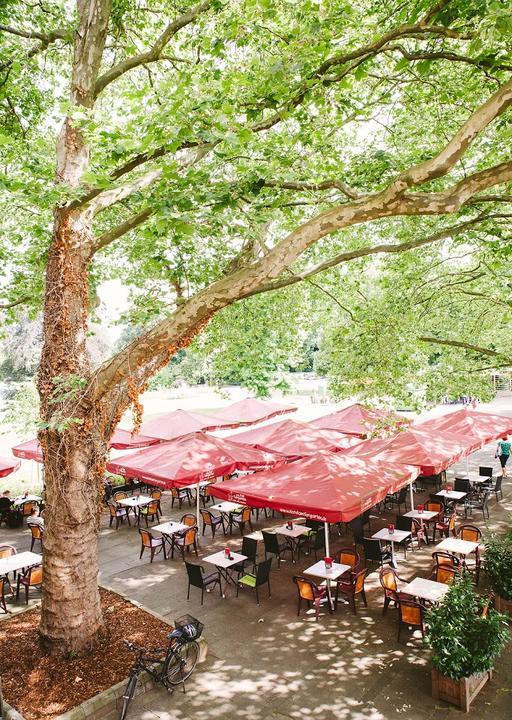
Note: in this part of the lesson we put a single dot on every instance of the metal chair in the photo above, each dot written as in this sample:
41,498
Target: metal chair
154,544
199,579
310,592
411,615
274,547
259,576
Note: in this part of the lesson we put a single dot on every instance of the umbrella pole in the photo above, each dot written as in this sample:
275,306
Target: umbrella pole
198,502
328,554
411,495
327,548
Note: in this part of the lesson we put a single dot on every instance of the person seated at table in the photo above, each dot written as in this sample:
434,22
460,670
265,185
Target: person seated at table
35,519
5,505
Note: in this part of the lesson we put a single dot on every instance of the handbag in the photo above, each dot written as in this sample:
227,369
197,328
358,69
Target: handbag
499,451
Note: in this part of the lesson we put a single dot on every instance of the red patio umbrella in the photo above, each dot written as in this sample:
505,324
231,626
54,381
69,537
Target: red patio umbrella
124,439
121,440
484,426
188,460
356,420
8,466
251,411
179,423
432,451
293,439
29,450
326,486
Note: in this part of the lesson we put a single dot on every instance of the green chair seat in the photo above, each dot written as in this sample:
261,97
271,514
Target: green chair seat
249,580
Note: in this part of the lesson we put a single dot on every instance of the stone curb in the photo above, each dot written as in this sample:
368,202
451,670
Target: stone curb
108,701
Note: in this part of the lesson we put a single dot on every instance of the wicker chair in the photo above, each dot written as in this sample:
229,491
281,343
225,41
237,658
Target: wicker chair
188,519
5,585
154,544
240,519
184,541
310,592
212,521
148,511
410,615
32,578
37,535
388,578
352,588
157,495
118,514
180,495
444,574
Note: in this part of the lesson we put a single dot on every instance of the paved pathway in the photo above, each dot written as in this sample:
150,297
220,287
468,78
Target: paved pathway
265,662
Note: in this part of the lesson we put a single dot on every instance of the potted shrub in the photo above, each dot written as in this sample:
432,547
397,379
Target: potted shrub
498,568
466,637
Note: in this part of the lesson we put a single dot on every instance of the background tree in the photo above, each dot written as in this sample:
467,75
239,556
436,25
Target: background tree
206,154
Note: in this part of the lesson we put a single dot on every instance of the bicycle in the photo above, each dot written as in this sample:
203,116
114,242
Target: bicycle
180,659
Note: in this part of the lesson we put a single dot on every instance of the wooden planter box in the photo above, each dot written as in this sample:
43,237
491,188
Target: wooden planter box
460,693
503,606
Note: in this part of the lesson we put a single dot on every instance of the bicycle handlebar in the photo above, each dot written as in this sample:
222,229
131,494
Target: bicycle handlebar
132,647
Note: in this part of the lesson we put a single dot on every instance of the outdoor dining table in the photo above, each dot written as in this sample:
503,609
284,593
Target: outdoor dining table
193,486
396,536
292,536
458,546
425,589
168,529
451,495
333,573
223,563
19,561
226,508
27,498
135,502
423,516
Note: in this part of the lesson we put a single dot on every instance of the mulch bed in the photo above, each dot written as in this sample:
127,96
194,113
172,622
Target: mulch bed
41,687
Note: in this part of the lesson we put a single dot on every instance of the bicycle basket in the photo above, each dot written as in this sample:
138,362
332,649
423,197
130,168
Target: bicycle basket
190,626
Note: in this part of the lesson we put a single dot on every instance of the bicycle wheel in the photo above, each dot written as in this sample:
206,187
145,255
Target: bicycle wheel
128,694
180,665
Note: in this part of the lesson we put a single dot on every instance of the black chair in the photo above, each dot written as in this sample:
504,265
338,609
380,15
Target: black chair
356,525
274,547
496,487
462,485
485,471
374,553
406,524
479,503
5,509
250,549
315,543
259,576
197,578
399,498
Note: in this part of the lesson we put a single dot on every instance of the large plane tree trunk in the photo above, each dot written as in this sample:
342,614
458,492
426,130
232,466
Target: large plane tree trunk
71,614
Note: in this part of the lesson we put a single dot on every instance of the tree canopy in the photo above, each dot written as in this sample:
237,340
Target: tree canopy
217,129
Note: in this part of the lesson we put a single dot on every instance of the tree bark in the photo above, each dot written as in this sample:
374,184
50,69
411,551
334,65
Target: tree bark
73,441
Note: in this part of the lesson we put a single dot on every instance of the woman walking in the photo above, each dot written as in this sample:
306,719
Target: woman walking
503,452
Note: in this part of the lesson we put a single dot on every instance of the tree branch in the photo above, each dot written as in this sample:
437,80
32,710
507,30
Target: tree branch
34,34
466,346
324,185
21,301
155,52
452,57
370,250
119,230
46,40
296,98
